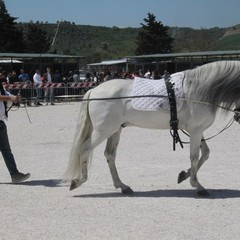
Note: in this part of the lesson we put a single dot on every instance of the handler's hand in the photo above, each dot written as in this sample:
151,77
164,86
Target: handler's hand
15,99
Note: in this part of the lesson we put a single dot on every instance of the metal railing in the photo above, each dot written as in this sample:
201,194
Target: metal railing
61,91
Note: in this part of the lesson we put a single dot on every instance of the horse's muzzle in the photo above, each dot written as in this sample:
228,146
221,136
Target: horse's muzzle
237,115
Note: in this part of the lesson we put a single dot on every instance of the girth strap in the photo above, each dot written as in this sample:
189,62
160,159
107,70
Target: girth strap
173,112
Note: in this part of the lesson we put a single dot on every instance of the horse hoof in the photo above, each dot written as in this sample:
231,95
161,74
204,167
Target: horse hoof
203,193
73,185
127,191
181,176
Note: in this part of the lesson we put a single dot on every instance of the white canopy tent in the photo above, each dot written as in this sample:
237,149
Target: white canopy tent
114,64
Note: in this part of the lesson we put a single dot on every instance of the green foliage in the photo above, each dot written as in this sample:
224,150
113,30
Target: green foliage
20,38
11,38
153,37
36,39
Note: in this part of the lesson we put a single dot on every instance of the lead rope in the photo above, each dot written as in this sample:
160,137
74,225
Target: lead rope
228,125
17,105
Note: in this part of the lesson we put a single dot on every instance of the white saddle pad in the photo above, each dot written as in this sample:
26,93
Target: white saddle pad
143,86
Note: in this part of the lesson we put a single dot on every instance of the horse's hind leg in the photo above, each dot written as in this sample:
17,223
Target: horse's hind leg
110,154
204,156
86,154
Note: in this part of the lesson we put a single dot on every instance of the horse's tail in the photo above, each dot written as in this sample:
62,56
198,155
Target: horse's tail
82,134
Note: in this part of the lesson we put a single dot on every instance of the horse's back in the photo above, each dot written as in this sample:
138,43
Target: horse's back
113,88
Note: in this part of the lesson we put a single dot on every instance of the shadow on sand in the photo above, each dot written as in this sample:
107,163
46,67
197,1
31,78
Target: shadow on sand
213,194
167,193
45,183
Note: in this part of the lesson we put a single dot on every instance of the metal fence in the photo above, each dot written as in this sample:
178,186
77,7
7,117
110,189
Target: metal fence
61,91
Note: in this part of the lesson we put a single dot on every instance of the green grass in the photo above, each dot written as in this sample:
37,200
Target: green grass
231,42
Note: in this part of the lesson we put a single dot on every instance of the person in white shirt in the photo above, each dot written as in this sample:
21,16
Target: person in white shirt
37,81
16,176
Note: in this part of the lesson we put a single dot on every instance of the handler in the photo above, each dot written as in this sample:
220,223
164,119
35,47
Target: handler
17,177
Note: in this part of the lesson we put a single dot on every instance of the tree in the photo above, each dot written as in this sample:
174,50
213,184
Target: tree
153,37
36,39
11,38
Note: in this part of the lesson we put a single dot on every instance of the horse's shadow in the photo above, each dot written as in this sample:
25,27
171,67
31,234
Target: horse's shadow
167,193
45,183
176,193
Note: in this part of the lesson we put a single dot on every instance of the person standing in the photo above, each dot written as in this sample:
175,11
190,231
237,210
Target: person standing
37,80
16,176
25,93
12,77
48,78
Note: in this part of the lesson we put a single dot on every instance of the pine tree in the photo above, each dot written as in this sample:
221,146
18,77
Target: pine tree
36,39
11,38
153,37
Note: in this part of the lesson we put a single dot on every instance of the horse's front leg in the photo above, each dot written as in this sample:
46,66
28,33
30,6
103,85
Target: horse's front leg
110,154
195,141
204,156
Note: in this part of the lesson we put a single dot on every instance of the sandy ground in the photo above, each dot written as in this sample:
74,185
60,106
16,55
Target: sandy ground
44,208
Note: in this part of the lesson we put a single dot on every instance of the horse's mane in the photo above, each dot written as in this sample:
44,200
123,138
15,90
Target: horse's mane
217,83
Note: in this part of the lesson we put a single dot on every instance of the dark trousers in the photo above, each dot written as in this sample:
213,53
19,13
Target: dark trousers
6,149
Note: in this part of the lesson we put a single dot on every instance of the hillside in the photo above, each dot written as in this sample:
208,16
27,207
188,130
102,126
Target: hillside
97,43
231,39
93,42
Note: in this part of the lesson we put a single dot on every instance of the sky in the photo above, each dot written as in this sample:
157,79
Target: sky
129,13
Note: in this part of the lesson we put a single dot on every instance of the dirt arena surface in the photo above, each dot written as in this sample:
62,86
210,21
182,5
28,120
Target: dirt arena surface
43,208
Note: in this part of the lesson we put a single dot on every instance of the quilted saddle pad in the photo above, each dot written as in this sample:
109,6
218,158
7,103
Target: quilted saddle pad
143,86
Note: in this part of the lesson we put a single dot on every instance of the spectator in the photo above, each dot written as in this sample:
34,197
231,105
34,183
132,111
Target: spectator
70,77
147,74
23,77
156,75
37,80
166,75
25,93
140,73
57,77
3,77
12,77
48,94
75,76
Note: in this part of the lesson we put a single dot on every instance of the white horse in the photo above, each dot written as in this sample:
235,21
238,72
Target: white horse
105,110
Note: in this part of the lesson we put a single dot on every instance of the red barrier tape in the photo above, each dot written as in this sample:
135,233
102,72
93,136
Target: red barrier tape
49,85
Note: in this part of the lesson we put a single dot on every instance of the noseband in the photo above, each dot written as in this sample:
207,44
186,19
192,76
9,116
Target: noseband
237,115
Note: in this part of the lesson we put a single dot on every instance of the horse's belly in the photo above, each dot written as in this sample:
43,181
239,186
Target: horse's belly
147,119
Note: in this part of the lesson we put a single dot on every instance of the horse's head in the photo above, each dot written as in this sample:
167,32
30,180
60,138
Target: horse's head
237,115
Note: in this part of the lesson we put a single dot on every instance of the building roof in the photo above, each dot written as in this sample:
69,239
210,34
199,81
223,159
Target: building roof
188,54
36,55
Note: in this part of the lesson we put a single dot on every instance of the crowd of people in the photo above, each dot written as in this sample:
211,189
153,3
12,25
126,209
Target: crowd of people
74,76
36,80
77,76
